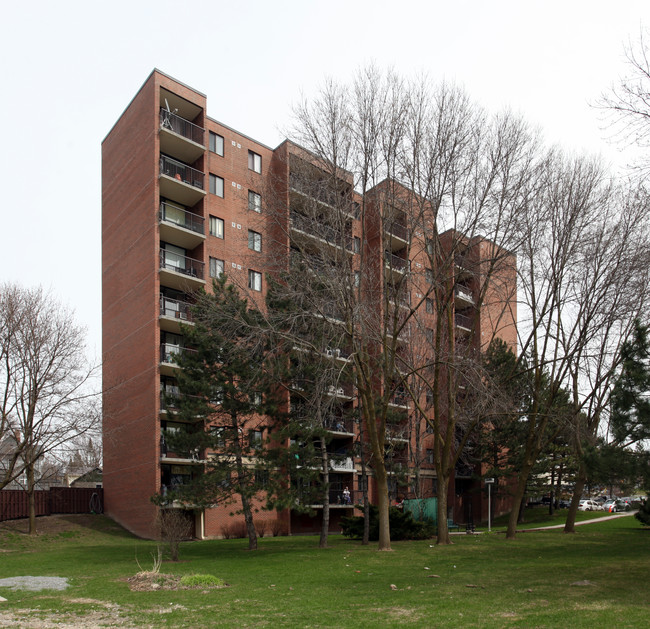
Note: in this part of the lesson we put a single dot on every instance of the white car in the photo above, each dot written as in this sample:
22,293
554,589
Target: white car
589,505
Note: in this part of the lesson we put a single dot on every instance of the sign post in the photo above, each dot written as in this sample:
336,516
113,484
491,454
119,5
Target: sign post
489,482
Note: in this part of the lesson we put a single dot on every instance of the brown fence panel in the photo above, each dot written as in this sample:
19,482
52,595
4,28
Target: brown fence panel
14,503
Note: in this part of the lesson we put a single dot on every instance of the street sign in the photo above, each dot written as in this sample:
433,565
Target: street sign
489,481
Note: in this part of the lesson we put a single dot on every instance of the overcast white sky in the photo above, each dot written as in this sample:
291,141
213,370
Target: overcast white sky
69,68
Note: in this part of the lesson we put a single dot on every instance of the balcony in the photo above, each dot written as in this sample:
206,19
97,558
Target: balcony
339,425
340,498
463,297
399,437
181,182
314,234
342,391
180,227
399,400
401,298
173,312
168,355
464,267
180,137
180,272
342,465
322,193
397,235
395,265
463,324
337,353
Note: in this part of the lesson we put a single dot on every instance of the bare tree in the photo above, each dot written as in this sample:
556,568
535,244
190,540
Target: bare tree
628,102
397,183
581,281
45,379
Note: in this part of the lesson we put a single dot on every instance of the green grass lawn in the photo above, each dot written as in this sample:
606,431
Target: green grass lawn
479,581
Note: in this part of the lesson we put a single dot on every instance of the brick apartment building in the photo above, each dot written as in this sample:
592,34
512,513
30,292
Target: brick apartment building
184,199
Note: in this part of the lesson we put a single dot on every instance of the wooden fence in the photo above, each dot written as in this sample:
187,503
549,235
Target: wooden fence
14,503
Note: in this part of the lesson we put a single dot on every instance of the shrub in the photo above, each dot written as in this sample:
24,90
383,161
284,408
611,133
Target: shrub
261,527
174,526
201,580
402,526
277,527
643,514
234,530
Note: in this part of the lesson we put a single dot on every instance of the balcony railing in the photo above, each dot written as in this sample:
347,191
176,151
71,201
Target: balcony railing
398,230
173,122
337,352
171,261
396,263
175,308
339,424
463,321
319,190
465,294
321,230
182,172
175,215
342,465
169,352
342,390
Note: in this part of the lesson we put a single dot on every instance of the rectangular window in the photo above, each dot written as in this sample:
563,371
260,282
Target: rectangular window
428,275
255,438
429,305
254,162
429,398
216,185
254,201
357,244
429,245
216,267
428,332
216,227
216,143
255,280
357,279
254,240
429,458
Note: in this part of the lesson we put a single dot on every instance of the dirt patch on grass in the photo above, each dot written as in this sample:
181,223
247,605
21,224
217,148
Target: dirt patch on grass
29,619
69,525
152,581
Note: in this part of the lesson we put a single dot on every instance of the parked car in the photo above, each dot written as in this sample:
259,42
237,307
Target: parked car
623,505
610,506
563,504
589,505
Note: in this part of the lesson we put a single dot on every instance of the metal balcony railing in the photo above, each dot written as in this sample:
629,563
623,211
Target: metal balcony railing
182,172
398,230
339,424
396,263
463,321
175,308
464,293
169,352
173,122
175,215
321,230
342,465
171,261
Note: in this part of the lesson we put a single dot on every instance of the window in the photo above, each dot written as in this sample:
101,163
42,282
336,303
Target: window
254,240
216,267
255,438
262,478
256,398
357,244
429,398
216,185
216,227
255,280
429,246
216,143
254,162
428,275
428,332
254,201
357,279
429,457
429,305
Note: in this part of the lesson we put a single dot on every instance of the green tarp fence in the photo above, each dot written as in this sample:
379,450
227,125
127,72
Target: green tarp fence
423,509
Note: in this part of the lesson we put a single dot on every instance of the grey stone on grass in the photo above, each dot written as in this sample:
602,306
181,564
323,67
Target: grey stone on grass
35,584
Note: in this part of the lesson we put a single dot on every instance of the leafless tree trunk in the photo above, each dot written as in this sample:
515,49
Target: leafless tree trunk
46,396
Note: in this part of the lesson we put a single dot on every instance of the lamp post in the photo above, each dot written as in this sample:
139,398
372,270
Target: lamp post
489,482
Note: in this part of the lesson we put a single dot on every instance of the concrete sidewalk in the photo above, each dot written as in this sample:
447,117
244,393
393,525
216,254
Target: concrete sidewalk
561,526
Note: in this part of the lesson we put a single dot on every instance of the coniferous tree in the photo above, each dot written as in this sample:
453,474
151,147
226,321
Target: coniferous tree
224,397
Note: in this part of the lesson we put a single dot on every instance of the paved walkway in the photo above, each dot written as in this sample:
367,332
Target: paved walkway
601,519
